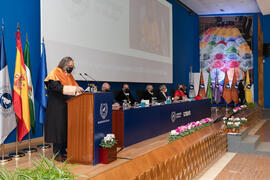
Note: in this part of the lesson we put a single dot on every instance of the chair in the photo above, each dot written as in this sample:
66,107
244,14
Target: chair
172,92
139,94
116,93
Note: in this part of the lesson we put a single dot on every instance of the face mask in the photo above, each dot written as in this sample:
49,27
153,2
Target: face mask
126,90
69,69
165,90
181,89
107,90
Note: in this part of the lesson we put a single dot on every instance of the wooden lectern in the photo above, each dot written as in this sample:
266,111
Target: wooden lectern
81,128
89,120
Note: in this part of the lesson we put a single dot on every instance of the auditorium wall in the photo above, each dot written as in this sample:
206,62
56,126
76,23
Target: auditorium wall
266,39
27,14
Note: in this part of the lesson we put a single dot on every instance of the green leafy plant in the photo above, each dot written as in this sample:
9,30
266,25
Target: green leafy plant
43,169
251,105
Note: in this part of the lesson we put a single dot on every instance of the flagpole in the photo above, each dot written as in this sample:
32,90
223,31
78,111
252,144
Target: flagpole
44,146
4,158
16,154
29,149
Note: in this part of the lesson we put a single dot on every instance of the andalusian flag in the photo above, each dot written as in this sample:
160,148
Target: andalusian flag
26,56
248,93
20,92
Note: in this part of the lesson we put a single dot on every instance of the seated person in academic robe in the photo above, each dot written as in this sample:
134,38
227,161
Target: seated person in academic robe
125,94
149,93
60,87
106,87
162,97
180,92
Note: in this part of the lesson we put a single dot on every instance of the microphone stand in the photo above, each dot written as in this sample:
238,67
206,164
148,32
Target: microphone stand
94,80
85,80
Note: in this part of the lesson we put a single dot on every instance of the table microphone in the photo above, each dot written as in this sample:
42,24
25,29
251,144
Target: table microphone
83,76
87,89
90,77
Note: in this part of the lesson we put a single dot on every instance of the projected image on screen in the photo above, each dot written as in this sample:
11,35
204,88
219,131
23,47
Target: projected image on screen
112,40
149,31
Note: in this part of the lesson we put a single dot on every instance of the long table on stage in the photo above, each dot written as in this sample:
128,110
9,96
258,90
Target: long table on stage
137,124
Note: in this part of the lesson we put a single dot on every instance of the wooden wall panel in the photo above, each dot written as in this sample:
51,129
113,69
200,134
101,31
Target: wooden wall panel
181,159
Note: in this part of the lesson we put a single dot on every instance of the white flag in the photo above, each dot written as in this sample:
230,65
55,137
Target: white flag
7,115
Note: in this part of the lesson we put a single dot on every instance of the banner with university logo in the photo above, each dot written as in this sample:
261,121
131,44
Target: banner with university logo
102,119
7,116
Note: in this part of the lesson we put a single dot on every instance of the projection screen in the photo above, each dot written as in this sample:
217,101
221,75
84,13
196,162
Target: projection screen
111,40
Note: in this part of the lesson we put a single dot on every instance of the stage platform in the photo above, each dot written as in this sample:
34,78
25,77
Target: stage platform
145,151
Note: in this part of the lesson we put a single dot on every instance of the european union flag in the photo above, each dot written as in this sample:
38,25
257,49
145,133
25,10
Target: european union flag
40,86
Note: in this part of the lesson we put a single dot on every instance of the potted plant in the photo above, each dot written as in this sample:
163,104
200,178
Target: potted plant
237,126
230,126
107,149
244,122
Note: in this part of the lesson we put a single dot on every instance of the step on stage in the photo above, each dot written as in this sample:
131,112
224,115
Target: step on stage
154,157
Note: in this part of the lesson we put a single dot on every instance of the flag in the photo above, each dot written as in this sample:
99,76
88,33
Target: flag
191,84
209,88
248,93
227,92
217,90
26,56
235,96
40,86
201,91
7,116
20,92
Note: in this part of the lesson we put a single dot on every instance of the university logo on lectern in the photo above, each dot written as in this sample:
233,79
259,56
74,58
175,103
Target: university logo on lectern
173,116
103,110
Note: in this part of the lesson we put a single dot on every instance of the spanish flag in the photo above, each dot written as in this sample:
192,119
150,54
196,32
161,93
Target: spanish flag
20,92
248,93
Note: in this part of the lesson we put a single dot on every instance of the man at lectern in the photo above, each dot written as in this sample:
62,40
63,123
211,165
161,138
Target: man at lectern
60,87
125,94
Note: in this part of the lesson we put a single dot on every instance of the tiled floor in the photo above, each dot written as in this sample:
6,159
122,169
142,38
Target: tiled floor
264,132
212,172
246,167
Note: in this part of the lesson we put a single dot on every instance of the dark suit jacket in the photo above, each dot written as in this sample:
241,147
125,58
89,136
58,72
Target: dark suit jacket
161,97
148,96
121,97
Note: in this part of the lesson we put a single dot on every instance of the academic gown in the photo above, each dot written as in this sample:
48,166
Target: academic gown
56,113
148,96
57,83
121,97
161,97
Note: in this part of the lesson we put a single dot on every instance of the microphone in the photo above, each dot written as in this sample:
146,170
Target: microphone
83,76
87,89
90,77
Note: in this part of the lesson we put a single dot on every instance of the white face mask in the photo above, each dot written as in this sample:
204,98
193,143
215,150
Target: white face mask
165,91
